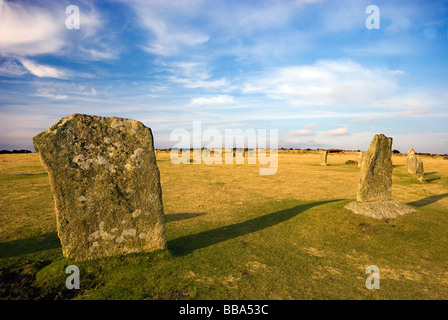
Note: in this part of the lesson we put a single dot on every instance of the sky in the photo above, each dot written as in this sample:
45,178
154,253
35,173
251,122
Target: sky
316,71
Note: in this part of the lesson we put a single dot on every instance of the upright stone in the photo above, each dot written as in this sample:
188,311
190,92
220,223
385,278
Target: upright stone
420,172
239,156
323,157
105,184
411,161
375,182
360,155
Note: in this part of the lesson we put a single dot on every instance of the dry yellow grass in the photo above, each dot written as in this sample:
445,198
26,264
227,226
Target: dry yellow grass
235,234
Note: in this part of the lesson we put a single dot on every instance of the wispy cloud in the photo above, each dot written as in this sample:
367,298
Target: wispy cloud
29,30
163,19
366,118
413,112
302,132
11,67
193,75
212,100
42,71
338,132
49,93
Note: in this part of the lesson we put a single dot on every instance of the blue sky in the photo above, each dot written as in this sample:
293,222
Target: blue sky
310,69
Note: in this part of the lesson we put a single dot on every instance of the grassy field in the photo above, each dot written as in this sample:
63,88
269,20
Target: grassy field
234,234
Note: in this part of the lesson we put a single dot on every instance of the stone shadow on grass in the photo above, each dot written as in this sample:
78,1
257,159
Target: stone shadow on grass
38,243
428,200
182,216
187,244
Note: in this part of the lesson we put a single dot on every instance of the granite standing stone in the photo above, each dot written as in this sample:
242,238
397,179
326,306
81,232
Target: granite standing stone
105,184
374,197
360,155
420,172
323,157
411,161
375,181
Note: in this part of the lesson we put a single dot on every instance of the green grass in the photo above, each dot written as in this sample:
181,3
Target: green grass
283,248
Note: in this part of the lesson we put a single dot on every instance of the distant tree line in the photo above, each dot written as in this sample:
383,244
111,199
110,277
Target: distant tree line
14,151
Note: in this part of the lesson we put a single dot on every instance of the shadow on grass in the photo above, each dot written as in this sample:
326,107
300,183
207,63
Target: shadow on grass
39,243
428,200
187,244
182,216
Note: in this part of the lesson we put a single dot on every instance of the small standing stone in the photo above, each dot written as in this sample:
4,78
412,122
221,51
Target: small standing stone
411,161
105,184
360,155
239,156
420,172
323,157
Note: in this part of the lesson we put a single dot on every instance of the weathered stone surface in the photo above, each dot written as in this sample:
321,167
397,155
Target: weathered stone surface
323,157
375,181
411,161
105,184
420,172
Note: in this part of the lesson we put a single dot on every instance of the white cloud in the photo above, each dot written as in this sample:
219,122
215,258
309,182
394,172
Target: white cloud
212,100
43,71
396,72
310,125
325,83
37,28
29,30
338,132
302,132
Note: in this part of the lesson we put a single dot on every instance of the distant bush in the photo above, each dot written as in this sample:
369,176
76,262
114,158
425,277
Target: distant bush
445,157
395,151
14,151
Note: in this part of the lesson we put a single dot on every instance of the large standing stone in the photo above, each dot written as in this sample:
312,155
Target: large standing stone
375,182
420,172
105,184
411,161
323,157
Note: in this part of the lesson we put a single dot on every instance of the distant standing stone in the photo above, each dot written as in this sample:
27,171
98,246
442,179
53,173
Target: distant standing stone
420,172
360,155
375,182
106,186
323,157
411,161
